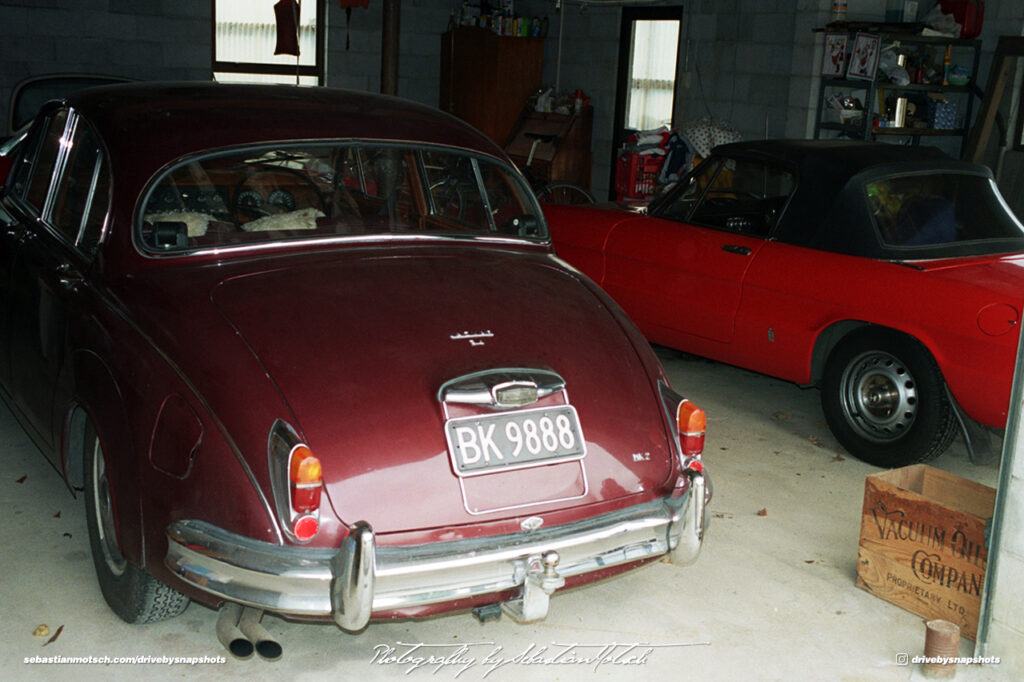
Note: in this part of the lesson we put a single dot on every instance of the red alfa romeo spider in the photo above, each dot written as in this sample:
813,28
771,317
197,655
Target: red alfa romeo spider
310,352
891,277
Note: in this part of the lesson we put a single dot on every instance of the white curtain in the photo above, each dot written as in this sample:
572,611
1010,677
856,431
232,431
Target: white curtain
652,74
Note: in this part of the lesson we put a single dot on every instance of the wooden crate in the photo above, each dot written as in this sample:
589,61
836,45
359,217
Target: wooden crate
923,545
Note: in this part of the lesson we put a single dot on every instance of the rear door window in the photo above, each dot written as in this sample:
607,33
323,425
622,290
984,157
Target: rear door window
44,164
81,195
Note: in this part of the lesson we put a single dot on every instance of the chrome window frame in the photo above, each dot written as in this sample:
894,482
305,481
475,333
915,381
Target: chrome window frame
490,237
45,214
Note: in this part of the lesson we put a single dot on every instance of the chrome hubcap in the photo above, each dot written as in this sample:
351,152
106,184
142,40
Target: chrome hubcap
103,512
879,396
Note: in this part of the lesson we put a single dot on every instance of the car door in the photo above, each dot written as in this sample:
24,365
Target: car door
681,270
21,154
61,216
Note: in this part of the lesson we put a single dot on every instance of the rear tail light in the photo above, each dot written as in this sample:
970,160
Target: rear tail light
305,527
689,423
297,481
305,479
692,423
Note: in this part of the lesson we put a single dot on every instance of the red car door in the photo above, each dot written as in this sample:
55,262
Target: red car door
673,277
681,270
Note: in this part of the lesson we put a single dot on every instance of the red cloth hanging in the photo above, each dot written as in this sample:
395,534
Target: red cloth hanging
287,13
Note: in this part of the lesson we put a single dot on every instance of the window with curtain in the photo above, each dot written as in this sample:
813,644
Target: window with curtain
652,73
247,33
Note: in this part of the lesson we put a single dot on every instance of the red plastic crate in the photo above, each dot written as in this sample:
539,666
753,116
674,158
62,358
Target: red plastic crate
636,175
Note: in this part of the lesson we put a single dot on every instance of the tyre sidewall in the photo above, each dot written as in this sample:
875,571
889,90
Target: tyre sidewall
932,428
134,595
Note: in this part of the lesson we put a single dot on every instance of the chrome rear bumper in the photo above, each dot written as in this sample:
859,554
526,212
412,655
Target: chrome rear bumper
361,578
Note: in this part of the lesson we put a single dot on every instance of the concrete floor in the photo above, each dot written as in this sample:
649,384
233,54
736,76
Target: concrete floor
772,597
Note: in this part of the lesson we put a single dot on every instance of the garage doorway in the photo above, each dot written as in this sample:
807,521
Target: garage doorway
649,41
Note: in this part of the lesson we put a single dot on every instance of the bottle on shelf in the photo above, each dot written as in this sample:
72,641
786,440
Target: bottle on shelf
839,10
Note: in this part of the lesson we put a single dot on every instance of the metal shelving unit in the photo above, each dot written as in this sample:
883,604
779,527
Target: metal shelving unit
876,90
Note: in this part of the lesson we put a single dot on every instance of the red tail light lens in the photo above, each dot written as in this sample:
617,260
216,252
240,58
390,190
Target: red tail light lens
692,424
306,527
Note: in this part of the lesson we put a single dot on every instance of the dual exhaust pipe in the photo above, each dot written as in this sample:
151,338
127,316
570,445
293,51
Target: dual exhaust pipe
239,630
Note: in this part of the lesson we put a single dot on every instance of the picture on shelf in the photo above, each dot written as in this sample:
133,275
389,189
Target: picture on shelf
833,62
864,58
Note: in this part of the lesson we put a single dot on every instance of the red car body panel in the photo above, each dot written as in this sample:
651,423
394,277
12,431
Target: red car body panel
769,307
374,334
185,363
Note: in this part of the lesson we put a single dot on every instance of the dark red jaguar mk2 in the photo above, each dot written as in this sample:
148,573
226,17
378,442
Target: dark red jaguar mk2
310,352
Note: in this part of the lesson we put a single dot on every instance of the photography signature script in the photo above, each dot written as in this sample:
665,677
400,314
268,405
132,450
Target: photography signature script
490,656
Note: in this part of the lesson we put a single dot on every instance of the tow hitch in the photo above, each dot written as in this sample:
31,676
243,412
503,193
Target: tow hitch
539,583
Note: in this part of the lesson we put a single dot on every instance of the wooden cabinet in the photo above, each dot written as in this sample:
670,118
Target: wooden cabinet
486,78
567,157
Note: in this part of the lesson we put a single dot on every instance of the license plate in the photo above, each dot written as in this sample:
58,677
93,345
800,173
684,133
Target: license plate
512,440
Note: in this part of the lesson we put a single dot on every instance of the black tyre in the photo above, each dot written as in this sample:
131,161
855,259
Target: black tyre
885,400
564,193
131,593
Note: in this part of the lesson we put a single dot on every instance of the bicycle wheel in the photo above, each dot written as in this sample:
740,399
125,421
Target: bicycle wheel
564,193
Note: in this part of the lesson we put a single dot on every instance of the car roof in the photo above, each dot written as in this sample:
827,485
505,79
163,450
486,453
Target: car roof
837,157
828,209
147,125
29,94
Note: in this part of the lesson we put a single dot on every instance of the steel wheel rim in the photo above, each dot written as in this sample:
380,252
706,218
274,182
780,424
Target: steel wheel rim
103,512
879,396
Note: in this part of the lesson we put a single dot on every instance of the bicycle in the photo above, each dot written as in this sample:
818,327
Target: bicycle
556,192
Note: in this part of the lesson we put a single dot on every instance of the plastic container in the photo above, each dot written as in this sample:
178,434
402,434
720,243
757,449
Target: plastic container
636,175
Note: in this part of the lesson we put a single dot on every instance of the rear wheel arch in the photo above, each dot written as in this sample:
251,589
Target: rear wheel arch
99,403
132,593
837,332
827,340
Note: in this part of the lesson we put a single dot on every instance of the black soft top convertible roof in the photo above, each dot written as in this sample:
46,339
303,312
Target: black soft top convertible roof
828,209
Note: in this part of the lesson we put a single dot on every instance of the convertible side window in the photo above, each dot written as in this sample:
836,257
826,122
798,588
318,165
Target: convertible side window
744,196
681,206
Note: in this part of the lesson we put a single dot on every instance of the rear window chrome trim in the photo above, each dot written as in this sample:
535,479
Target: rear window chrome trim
299,244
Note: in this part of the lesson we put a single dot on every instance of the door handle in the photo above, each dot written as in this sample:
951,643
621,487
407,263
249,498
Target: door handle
736,248
69,276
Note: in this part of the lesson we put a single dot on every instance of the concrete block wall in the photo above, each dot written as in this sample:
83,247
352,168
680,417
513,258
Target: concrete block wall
753,63
171,40
739,57
421,24
589,62
161,39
